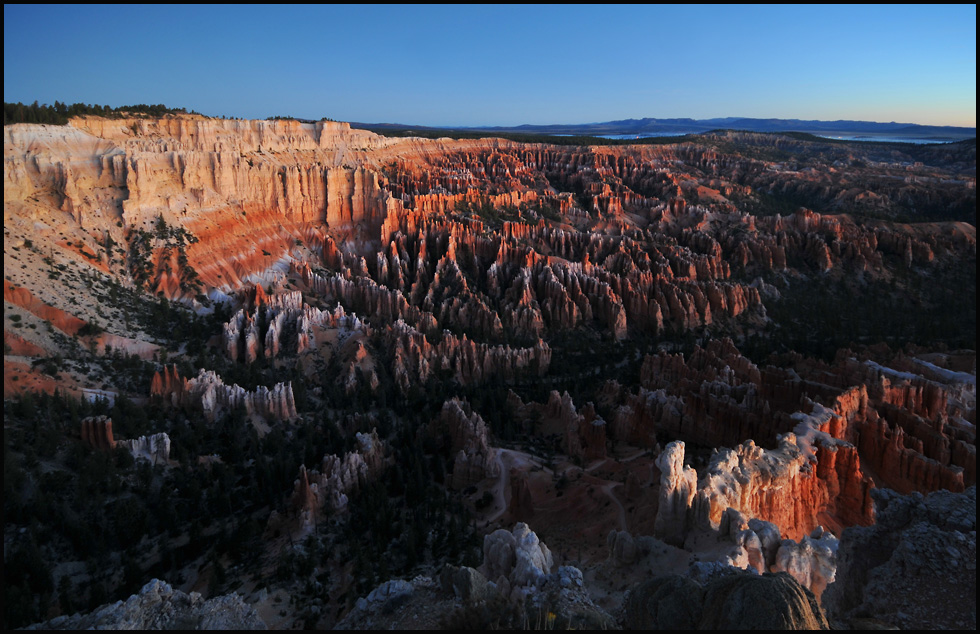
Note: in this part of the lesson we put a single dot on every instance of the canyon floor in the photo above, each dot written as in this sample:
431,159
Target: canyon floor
349,376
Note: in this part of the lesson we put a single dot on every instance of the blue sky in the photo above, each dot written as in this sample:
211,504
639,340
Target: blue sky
502,65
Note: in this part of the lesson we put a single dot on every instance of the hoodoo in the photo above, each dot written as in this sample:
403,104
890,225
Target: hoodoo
367,378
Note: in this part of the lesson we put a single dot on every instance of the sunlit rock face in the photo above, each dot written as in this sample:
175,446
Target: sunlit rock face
481,237
719,398
468,256
257,196
366,270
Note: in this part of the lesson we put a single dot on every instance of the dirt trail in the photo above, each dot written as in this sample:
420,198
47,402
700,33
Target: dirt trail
507,459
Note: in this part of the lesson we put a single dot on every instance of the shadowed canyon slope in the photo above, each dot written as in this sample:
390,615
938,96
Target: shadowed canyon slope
655,356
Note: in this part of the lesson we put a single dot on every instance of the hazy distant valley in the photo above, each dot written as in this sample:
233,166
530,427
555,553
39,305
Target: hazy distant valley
337,373
649,127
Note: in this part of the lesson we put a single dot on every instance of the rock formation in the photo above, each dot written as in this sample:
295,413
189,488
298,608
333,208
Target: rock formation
154,448
521,503
516,559
468,362
812,561
474,458
520,567
158,606
584,434
525,591
573,275
678,489
97,432
338,478
784,486
735,601
209,393
285,324
718,398
914,568
59,319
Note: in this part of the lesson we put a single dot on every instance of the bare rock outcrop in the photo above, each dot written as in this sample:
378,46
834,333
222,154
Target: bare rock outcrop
469,362
828,419
462,596
784,486
520,565
917,441
678,489
812,560
158,606
517,560
154,448
915,568
22,297
726,602
97,432
769,601
271,324
584,433
623,549
475,460
337,479
209,393
905,427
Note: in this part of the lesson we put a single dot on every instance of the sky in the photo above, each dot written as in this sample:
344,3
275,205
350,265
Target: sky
502,65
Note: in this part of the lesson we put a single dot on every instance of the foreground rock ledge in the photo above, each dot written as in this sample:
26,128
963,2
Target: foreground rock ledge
159,607
735,601
916,568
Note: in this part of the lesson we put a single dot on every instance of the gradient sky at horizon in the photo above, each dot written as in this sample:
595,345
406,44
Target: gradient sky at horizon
502,65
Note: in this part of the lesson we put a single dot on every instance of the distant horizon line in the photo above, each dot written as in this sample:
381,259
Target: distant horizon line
657,120
516,127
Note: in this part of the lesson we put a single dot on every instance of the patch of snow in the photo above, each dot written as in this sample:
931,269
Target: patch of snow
891,372
949,375
808,432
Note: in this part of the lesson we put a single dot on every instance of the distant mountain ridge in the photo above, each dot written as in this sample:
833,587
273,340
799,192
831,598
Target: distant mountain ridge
652,126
